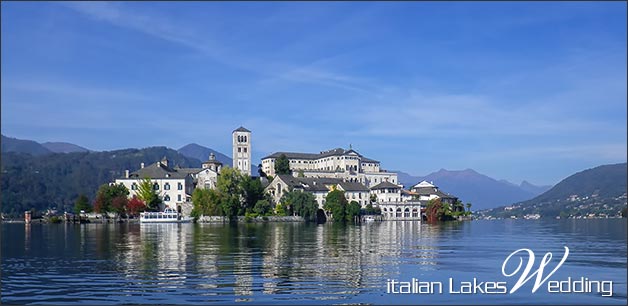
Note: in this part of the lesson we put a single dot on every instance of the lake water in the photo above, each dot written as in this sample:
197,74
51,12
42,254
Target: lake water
297,263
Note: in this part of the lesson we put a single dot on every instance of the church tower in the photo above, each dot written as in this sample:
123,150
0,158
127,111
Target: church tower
242,150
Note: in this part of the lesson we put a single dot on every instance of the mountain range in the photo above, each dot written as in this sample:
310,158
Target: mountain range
63,147
10,144
55,180
470,186
600,191
478,189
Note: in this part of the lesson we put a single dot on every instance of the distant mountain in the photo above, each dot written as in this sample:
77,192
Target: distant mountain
63,147
600,190
55,180
10,144
407,180
470,186
202,153
525,185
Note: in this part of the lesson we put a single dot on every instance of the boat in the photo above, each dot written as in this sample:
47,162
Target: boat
369,219
169,215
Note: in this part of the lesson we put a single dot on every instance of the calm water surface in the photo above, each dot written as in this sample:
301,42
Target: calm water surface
289,263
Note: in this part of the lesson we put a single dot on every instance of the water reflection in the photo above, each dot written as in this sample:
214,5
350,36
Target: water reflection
280,262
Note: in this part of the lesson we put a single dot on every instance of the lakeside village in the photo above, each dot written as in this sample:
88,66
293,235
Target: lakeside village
335,185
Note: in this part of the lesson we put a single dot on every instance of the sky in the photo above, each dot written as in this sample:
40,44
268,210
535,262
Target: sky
530,91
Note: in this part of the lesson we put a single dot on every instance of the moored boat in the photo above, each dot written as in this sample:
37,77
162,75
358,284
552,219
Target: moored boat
169,215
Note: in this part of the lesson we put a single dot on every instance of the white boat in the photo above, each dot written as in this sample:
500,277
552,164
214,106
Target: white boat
369,219
169,215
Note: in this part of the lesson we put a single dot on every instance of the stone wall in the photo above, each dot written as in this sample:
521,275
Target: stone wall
219,219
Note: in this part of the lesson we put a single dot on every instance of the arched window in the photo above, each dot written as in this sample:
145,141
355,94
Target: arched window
179,186
156,186
133,186
245,138
167,186
167,198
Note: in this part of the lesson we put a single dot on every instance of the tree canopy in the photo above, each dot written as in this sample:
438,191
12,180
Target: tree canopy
148,194
111,198
82,204
282,165
301,204
336,203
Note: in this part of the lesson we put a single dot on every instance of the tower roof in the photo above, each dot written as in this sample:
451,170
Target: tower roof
241,129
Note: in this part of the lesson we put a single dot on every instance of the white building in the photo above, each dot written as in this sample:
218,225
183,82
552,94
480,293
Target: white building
319,187
173,185
207,176
339,163
426,191
242,150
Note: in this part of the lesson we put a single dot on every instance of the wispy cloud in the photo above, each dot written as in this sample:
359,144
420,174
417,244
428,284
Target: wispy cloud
159,27
76,90
163,28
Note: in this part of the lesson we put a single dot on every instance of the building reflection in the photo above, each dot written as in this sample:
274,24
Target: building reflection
153,253
244,260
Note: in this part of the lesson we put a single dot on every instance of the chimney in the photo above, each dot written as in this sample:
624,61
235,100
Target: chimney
126,173
141,165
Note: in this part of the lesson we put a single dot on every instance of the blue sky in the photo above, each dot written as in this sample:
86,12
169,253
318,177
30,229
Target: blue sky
533,91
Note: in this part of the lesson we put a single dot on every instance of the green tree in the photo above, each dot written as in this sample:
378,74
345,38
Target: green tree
82,204
262,207
230,190
252,192
469,207
301,203
352,210
282,165
445,210
336,203
206,202
300,173
105,196
148,194
280,210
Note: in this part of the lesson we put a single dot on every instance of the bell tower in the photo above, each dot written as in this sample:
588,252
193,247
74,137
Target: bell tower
242,150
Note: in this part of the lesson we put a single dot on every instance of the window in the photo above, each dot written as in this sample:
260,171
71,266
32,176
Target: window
167,186
179,197
133,186
239,150
179,186
244,150
167,198
156,186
